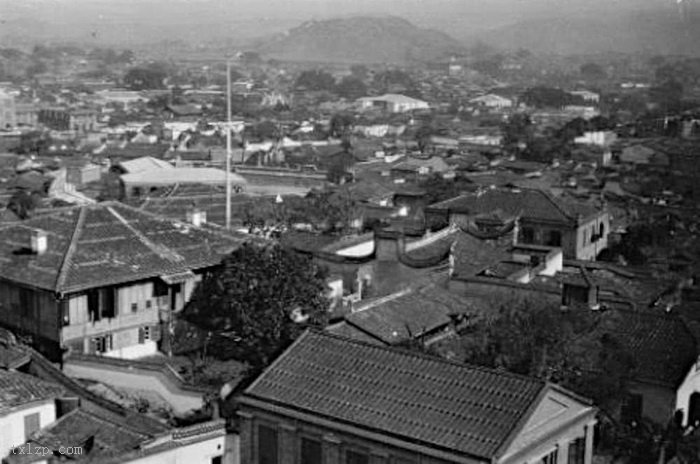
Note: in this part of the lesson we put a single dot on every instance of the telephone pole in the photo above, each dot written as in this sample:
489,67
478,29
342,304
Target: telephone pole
228,145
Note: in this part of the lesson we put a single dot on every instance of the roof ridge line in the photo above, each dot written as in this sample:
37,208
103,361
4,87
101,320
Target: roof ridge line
437,359
559,207
68,255
162,251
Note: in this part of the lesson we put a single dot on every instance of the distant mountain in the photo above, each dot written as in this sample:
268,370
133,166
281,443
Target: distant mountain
360,39
657,31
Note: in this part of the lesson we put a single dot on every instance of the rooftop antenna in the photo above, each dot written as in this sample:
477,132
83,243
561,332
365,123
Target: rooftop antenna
228,144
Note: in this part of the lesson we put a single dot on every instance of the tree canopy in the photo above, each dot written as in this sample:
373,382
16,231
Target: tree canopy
258,301
351,87
574,349
146,77
316,80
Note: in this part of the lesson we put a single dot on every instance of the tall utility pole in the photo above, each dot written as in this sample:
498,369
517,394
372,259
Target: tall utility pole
228,145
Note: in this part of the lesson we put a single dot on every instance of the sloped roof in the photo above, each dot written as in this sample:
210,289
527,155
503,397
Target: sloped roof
526,203
145,163
455,407
160,176
17,389
406,315
78,427
471,255
661,344
107,244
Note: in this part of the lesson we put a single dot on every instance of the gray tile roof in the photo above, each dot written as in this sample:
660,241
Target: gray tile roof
454,407
17,389
107,244
527,203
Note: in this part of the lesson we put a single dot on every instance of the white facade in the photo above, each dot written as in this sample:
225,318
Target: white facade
690,385
393,103
12,425
492,101
202,452
598,138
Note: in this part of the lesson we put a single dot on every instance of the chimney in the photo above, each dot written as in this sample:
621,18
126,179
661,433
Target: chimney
66,405
197,217
39,241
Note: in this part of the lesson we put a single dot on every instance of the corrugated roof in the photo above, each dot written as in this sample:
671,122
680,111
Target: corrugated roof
456,407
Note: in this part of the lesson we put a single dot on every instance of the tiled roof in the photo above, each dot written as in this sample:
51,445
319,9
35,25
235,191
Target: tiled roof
12,355
527,203
78,426
17,389
460,408
661,344
406,315
106,244
471,255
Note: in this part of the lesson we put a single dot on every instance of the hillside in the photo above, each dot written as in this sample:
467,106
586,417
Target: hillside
360,40
651,31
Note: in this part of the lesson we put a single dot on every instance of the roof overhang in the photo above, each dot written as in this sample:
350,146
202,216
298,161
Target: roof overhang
177,278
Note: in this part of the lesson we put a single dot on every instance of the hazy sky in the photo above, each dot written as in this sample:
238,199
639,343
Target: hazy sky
460,18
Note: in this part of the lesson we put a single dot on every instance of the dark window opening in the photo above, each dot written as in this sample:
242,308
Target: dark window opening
311,451
25,301
528,235
109,309
267,445
694,408
632,408
554,239
93,301
577,451
551,458
160,289
356,457
217,460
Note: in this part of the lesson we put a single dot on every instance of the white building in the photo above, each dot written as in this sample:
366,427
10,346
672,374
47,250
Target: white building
492,101
586,95
27,404
393,103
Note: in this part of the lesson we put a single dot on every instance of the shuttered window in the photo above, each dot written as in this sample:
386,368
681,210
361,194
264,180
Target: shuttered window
31,424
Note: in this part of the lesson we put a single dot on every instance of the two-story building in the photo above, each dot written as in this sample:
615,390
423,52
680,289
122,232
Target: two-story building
103,279
332,400
579,229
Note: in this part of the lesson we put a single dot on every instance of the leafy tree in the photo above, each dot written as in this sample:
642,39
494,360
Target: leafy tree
573,349
22,203
393,77
423,135
351,88
517,132
592,71
341,125
146,77
438,189
315,80
667,95
359,71
547,97
258,302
